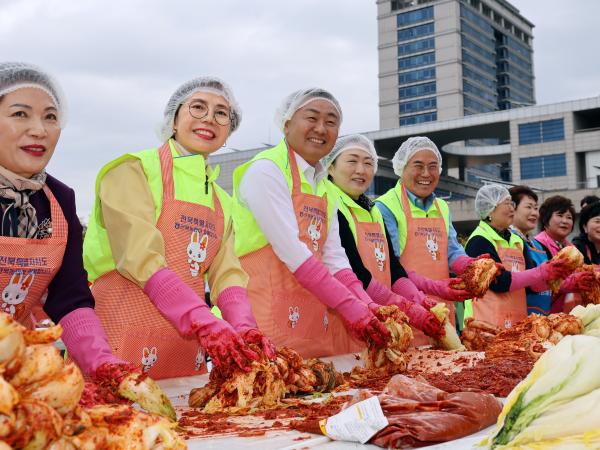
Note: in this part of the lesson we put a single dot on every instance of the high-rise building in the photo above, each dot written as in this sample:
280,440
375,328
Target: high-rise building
445,59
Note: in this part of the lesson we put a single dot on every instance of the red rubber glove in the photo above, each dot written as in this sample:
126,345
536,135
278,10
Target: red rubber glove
254,336
432,327
440,288
419,317
461,263
190,315
555,269
578,282
358,319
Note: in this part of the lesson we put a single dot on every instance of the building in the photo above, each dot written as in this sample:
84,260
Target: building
444,59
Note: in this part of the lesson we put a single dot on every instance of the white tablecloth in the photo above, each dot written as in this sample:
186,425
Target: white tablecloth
177,389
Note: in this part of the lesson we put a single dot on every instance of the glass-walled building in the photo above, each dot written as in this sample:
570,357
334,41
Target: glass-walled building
445,59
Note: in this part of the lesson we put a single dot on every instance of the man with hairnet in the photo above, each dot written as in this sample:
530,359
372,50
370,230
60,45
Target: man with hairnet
505,302
302,290
419,223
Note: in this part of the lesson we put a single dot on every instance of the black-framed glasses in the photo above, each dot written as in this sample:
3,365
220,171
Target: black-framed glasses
199,110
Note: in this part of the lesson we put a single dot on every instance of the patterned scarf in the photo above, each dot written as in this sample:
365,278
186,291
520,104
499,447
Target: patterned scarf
18,215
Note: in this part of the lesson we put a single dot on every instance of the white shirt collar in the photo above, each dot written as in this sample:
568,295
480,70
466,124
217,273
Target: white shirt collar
312,174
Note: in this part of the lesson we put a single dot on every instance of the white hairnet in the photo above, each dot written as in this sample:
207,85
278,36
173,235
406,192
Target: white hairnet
17,75
298,99
352,141
488,197
186,90
409,148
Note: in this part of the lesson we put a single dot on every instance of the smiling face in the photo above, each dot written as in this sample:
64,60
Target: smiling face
312,130
560,225
353,171
29,131
502,215
205,135
592,228
526,215
422,173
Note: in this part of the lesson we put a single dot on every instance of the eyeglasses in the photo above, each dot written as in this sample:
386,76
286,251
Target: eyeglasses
199,110
510,204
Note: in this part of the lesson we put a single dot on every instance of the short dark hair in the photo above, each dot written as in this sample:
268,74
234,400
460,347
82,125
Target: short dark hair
556,203
588,199
518,192
588,212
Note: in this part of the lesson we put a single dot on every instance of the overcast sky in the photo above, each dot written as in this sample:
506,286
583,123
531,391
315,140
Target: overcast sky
118,63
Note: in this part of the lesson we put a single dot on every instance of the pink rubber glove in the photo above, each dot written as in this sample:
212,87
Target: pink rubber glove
578,282
235,308
350,280
461,263
440,288
407,289
86,340
190,315
359,320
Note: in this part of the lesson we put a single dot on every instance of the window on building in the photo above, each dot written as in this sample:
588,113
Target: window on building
417,90
479,93
416,75
473,107
418,15
418,105
418,118
415,32
544,166
539,132
416,46
416,61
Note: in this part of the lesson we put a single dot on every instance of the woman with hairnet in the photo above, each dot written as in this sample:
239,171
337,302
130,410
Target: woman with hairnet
159,227
420,224
351,166
505,304
301,287
41,236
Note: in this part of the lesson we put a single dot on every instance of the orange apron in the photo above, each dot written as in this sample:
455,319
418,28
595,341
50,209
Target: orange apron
137,332
507,308
426,252
373,249
27,266
286,312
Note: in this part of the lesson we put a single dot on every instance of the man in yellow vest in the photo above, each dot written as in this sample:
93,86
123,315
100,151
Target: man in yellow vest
420,224
302,291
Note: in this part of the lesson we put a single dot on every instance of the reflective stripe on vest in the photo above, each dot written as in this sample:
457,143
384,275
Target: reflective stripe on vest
248,235
189,173
392,200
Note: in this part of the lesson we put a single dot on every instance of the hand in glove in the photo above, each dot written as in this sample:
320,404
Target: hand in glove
190,315
358,318
440,288
235,308
556,269
420,317
224,345
362,323
461,263
578,282
254,336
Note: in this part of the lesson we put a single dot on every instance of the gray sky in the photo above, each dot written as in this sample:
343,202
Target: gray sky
118,63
